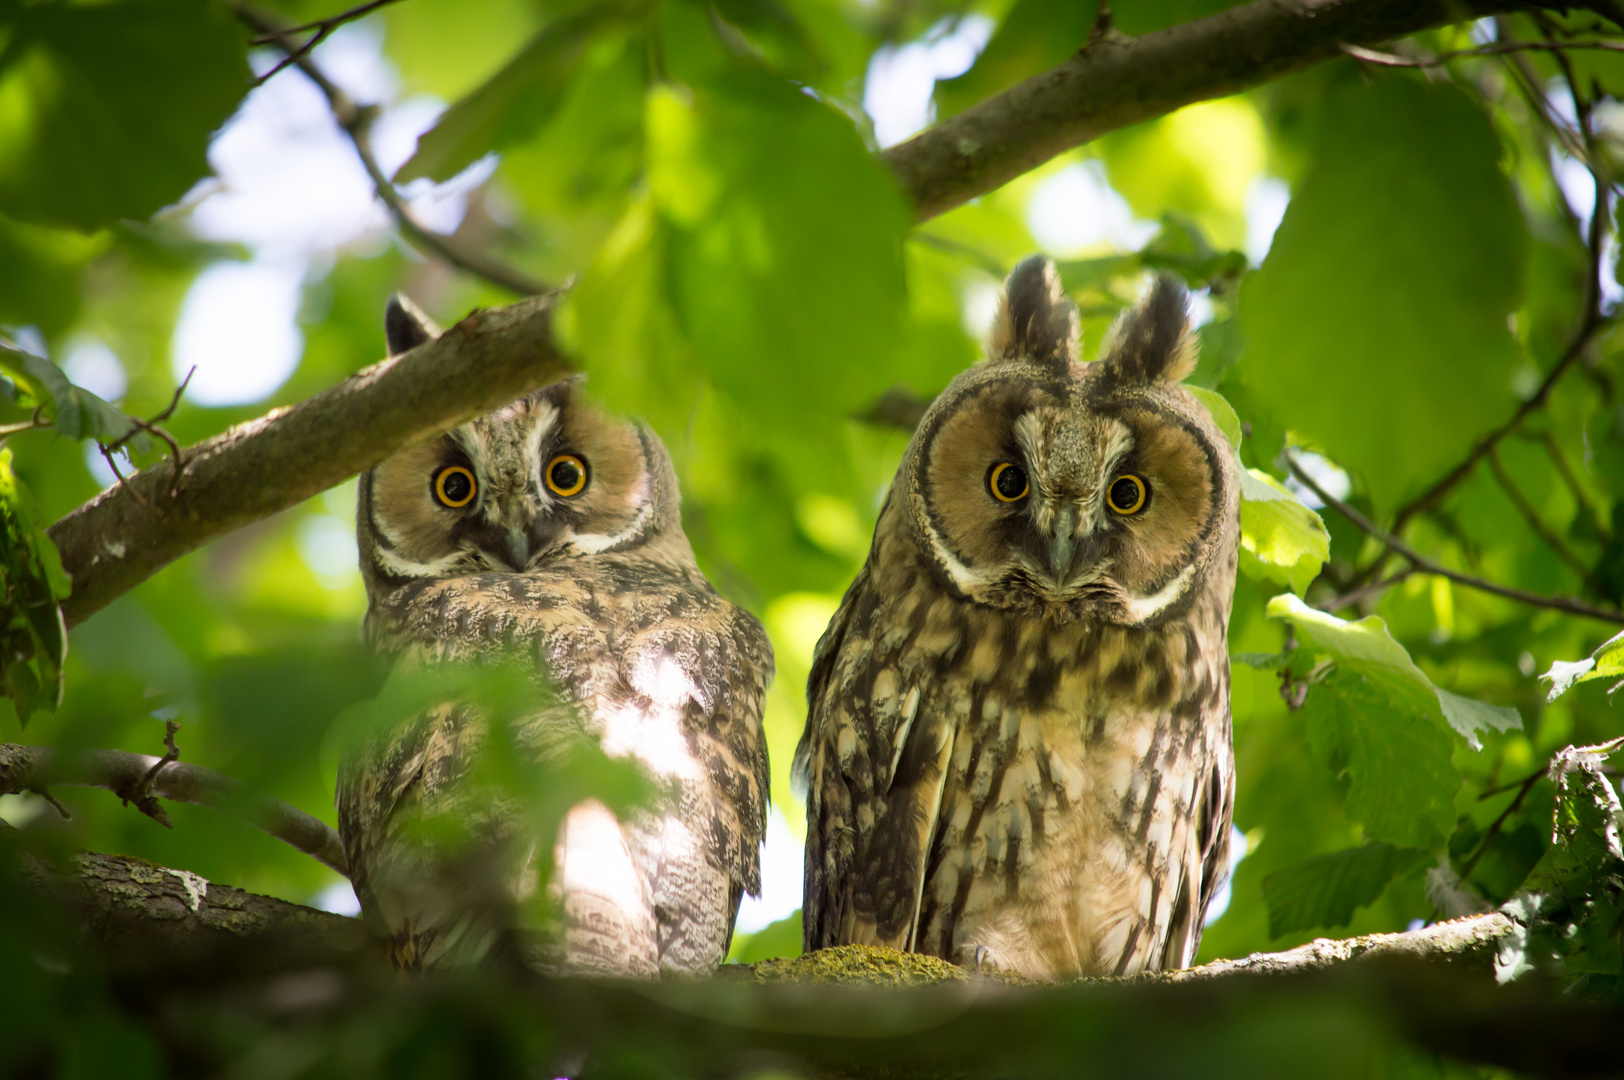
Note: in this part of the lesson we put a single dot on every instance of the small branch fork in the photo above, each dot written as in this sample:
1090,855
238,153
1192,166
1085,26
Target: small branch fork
142,780
1428,566
318,31
356,120
151,427
1372,56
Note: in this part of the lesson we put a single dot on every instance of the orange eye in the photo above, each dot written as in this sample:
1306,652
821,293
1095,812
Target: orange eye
1127,494
454,487
1007,482
565,475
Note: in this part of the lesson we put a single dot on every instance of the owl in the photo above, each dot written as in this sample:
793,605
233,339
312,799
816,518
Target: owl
550,531
1018,748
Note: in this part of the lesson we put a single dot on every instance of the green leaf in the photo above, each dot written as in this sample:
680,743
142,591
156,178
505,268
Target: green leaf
35,639
1324,891
1607,662
519,100
1223,413
775,941
767,256
1282,540
75,411
1377,717
1382,306
1468,716
1033,37
106,109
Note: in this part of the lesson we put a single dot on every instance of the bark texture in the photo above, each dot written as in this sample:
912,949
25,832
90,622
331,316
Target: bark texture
132,530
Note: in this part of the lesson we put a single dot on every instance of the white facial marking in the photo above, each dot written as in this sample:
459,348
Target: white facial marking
593,543
1147,607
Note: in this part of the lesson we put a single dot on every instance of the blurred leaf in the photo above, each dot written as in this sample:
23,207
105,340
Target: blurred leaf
1405,213
106,109
1034,36
779,940
1181,248
1324,890
1607,662
1282,540
519,100
36,639
1223,414
769,250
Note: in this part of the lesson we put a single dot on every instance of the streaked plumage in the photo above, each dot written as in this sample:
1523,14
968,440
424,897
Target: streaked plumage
1018,747
600,591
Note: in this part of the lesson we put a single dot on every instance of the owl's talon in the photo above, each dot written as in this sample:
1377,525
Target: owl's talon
981,955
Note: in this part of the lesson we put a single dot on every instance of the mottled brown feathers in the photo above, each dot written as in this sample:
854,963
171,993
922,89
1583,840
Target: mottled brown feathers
1017,751
598,590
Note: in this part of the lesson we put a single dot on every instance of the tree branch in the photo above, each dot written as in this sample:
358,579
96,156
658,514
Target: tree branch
112,543
1537,524
1116,81
356,120
318,31
137,778
1428,566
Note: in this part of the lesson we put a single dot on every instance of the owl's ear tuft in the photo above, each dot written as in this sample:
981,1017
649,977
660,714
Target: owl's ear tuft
405,326
1153,340
1036,319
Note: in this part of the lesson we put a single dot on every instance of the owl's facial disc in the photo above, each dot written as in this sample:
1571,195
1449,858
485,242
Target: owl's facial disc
540,479
1082,505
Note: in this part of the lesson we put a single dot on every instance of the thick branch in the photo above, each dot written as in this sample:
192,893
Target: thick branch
39,768
131,903
1117,81
112,544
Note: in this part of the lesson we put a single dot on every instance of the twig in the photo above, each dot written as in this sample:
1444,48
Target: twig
1530,515
1428,566
318,30
107,456
171,755
1371,56
152,428
1354,596
37,768
1493,830
1571,479
356,120
33,423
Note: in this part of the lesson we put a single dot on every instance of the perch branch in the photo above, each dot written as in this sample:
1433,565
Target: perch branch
1115,81
142,779
113,543
356,120
1428,566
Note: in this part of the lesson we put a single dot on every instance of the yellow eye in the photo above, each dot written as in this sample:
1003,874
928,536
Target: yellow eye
1127,494
1007,482
454,486
566,475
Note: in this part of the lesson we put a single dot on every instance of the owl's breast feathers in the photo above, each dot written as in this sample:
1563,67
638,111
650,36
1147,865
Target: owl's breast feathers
1052,797
653,662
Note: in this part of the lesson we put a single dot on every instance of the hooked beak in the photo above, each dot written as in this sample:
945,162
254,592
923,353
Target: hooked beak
518,549
1063,545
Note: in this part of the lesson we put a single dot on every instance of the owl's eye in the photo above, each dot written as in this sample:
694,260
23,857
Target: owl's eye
1127,494
566,475
454,486
1007,482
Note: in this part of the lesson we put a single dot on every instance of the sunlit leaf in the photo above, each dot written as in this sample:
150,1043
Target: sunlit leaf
1607,662
1282,540
74,411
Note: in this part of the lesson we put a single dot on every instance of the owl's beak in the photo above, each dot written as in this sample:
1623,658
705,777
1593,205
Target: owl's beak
518,549
1063,547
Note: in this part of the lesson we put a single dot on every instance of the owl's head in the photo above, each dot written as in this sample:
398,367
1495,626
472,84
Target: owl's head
1101,490
542,479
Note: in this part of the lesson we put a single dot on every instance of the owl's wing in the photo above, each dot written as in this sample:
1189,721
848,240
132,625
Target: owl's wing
874,758
1207,867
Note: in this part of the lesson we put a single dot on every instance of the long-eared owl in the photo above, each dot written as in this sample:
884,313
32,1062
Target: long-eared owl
550,531
1018,748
